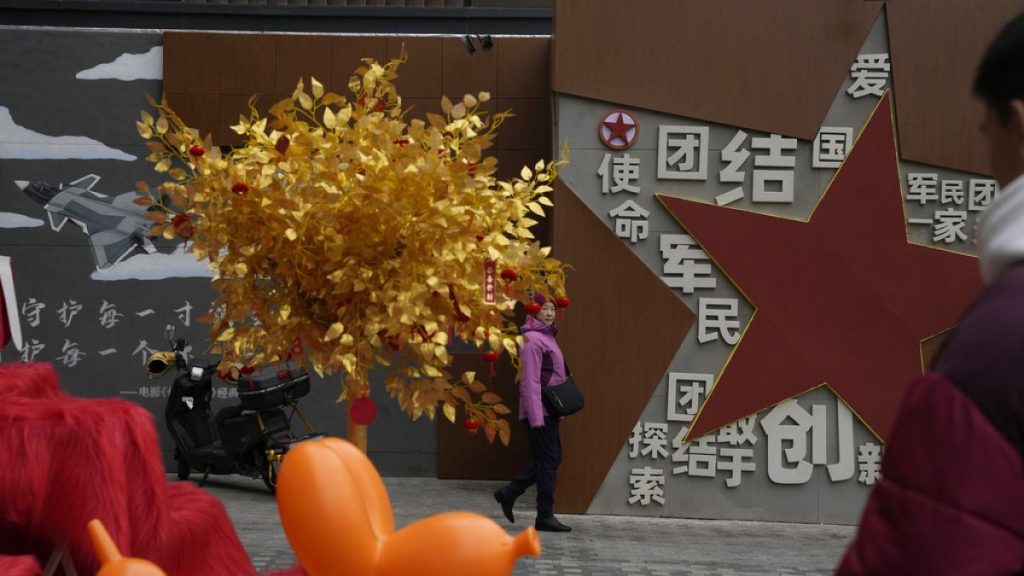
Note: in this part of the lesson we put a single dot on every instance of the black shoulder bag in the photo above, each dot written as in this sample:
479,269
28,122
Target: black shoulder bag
563,399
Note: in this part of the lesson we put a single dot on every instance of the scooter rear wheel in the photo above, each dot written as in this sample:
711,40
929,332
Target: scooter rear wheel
184,470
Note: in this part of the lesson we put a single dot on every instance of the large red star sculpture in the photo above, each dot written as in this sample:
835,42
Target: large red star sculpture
619,130
842,299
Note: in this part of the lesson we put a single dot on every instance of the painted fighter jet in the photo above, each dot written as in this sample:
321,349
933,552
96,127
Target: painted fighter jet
116,225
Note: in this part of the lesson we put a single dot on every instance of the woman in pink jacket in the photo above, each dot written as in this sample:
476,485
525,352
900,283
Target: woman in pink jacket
542,365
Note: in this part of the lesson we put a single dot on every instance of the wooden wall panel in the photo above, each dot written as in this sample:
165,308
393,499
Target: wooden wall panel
301,57
934,57
462,455
768,66
622,331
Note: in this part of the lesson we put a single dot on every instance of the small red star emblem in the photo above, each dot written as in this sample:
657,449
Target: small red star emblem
618,130
842,299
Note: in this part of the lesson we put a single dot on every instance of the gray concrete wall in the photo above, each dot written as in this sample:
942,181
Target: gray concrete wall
57,125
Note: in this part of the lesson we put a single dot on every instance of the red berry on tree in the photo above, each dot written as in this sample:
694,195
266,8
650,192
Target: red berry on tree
282,144
196,151
509,274
491,356
471,424
240,188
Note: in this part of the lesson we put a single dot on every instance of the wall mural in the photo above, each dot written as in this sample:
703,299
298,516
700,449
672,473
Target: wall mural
777,404
94,291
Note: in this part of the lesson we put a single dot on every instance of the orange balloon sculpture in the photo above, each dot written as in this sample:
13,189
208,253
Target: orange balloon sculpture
337,515
111,561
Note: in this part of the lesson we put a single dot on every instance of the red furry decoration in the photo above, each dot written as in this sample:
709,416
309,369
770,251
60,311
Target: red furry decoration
19,566
74,459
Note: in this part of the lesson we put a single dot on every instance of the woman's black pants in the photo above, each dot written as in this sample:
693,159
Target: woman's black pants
546,452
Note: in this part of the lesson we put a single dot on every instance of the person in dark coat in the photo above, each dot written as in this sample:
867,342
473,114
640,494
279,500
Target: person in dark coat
951,497
541,365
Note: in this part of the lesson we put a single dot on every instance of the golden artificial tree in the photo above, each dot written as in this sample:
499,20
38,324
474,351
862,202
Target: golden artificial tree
348,237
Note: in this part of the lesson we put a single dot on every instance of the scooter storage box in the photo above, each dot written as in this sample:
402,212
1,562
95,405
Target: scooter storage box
270,387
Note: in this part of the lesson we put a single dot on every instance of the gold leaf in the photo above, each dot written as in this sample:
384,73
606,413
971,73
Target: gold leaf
144,130
477,386
330,120
316,86
525,173
535,208
545,201
490,431
449,412
161,125
291,234
226,335
305,101
469,101
334,331
468,377
458,111
484,96
446,105
490,398
501,409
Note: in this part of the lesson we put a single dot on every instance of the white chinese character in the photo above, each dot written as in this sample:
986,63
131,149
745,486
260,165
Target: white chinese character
70,354
647,485
636,437
688,159
630,221
843,468
949,226
185,314
109,316
67,312
146,351
952,192
734,157
774,158
718,317
788,423
31,350
154,391
870,73
30,310
617,172
684,393
922,187
980,193
144,391
831,146
868,458
681,452
232,392
703,460
737,461
655,440
739,432
681,253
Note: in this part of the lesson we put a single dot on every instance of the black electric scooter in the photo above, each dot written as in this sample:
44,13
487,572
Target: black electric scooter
250,438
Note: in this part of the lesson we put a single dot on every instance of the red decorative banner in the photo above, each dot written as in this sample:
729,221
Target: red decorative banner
490,295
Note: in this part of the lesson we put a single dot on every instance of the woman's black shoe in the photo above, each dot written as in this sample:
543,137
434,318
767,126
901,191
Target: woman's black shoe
550,524
506,504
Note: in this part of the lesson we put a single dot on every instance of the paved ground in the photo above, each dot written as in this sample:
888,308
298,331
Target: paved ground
597,546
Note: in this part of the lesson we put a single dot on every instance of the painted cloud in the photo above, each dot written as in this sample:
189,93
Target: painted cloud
22,143
12,220
148,66
178,264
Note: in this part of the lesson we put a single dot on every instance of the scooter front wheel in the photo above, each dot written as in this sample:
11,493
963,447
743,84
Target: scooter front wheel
269,473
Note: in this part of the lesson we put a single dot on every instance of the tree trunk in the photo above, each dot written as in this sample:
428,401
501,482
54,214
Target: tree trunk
357,434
